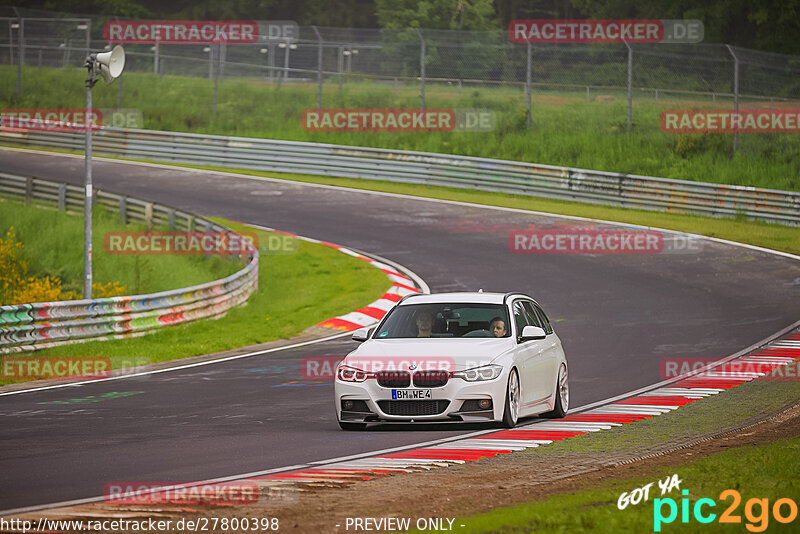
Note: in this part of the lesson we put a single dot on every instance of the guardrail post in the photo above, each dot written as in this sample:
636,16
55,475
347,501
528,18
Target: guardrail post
156,58
123,210
28,189
62,197
148,215
587,93
171,219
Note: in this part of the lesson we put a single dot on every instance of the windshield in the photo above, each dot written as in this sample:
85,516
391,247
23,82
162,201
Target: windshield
445,320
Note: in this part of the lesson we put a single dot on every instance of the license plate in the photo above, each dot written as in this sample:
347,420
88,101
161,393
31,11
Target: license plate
411,394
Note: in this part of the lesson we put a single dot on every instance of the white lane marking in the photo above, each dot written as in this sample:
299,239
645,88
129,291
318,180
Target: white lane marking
180,367
576,426
584,409
552,428
512,442
483,446
394,289
382,304
356,317
631,409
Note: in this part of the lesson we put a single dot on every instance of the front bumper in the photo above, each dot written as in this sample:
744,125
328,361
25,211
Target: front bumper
451,398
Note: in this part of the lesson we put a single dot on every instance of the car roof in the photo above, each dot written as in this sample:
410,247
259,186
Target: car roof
459,297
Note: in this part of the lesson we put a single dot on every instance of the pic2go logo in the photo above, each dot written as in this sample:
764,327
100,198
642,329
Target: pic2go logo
756,511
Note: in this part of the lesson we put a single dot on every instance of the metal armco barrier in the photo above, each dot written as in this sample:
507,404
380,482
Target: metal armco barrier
26,327
616,189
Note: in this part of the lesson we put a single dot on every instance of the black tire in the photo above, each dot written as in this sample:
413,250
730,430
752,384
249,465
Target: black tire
352,426
562,395
511,416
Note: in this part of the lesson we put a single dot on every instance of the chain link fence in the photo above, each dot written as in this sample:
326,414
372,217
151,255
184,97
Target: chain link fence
709,74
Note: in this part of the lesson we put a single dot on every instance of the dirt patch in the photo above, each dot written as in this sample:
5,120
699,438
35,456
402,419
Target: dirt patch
506,480
501,481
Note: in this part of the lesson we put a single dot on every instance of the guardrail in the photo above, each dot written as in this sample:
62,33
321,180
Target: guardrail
616,189
26,327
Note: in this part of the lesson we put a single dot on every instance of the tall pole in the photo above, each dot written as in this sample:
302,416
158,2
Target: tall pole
319,67
215,65
20,54
528,87
735,96
421,70
286,62
87,204
630,84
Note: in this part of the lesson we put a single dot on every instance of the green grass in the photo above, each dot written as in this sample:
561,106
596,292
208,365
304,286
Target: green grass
566,130
763,472
53,245
296,290
734,407
767,471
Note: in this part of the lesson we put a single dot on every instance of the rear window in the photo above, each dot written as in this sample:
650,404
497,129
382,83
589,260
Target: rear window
445,321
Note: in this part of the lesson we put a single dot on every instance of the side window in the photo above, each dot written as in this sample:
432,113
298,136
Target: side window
545,321
533,319
520,317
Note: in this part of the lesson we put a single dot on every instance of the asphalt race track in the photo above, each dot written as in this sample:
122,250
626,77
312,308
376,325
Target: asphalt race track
618,316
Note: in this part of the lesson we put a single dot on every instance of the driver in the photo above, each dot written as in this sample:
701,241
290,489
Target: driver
497,327
424,323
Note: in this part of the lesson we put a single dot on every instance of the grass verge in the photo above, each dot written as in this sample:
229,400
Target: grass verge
295,291
756,471
566,129
53,245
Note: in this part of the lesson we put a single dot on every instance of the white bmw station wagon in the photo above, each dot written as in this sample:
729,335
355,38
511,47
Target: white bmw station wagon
471,357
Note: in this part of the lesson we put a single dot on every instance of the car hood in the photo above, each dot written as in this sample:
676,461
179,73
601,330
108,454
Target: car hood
439,353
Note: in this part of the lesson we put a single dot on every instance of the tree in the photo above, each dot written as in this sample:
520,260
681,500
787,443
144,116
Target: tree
436,14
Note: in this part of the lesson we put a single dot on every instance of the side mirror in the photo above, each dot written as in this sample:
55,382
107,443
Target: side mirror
362,334
532,332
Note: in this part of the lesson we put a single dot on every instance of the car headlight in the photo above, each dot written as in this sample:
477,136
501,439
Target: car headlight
351,374
478,374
